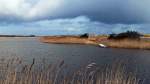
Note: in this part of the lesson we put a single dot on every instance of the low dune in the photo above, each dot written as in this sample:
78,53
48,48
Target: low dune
66,40
144,43
129,44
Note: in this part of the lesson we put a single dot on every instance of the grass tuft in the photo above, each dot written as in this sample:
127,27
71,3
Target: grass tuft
130,44
14,71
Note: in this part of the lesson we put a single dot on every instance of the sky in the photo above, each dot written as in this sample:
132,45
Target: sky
61,17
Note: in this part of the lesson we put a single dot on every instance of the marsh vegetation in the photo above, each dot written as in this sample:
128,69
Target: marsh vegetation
15,71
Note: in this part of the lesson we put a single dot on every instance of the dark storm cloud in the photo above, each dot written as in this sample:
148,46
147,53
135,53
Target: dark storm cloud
77,25
107,11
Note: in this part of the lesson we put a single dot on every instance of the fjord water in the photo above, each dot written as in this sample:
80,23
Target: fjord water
75,55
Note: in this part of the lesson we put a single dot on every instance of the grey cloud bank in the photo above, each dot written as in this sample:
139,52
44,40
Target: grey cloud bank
77,25
51,17
107,11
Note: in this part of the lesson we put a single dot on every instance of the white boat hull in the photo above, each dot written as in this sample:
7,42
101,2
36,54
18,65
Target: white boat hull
102,45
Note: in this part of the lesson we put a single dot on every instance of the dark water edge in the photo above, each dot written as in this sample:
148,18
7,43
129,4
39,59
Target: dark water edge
77,56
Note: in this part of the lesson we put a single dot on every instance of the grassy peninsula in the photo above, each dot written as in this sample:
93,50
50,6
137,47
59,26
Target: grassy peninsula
127,39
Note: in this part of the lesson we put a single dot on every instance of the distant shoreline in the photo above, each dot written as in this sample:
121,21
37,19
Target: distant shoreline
17,36
67,40
144,43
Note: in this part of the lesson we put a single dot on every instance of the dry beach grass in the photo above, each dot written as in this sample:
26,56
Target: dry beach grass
130,44
66,40
144,43
14,71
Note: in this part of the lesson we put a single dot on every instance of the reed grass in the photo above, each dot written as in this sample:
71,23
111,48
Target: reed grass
14,71
146,35
130,44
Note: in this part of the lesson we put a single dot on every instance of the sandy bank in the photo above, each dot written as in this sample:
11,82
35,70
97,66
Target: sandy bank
130,44
67,40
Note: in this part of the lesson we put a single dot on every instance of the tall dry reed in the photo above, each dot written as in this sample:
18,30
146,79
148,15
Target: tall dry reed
133,44
14,71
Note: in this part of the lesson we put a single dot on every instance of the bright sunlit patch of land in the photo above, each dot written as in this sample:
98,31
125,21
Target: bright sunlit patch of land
142,43
66,40
130,44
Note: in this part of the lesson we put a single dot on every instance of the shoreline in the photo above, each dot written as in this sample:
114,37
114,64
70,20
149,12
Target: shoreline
126,44
144,43
67,40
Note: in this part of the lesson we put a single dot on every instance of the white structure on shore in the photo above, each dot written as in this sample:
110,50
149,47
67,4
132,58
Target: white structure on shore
102,45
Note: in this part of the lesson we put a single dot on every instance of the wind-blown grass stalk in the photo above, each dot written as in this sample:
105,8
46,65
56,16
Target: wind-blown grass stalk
16,72
130,44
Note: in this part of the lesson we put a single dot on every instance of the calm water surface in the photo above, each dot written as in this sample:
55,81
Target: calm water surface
77,55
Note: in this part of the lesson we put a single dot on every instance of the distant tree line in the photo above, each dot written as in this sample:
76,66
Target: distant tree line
86,35
125,35
17,36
